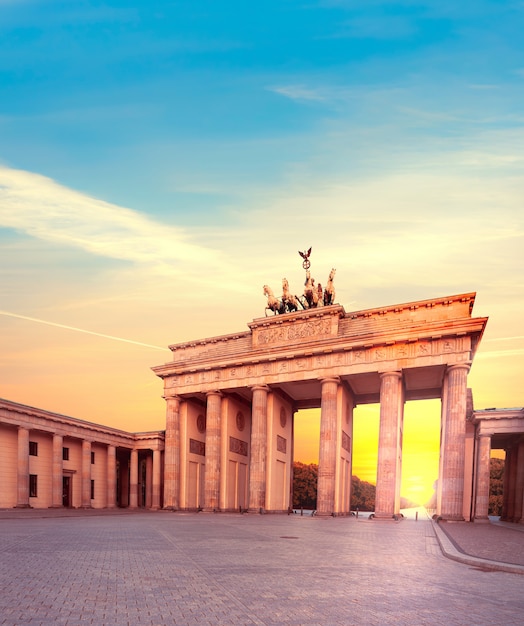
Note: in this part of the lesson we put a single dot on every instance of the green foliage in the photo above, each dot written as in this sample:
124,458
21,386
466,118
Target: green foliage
496,486
362,495
305,479
305,485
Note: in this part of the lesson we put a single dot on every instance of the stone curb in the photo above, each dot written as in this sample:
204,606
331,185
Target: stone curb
450,551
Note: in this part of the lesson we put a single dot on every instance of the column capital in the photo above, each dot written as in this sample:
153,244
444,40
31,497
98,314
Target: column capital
260,387
330,379
173,397
394,373
214,392
457,366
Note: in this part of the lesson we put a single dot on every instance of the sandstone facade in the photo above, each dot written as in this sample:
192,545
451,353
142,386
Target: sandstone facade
230,406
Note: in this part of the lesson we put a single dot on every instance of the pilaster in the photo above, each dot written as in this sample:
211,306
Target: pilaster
86,474
58,470
23,469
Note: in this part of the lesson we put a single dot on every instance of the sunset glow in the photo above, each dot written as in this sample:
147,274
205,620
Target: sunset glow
160,163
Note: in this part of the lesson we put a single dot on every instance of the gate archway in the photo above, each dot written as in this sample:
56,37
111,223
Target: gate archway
327,358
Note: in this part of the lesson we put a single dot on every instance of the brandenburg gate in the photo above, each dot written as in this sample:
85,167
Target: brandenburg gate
231,402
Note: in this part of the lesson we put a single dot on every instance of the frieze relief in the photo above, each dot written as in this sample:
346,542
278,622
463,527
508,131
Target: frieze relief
292,333
367,356
197,447
238,446
281,444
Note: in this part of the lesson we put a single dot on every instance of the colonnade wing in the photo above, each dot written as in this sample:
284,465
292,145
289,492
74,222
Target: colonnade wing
66,462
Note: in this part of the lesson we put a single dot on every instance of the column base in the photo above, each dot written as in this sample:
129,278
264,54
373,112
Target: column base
258,510
23,506
56,506
481,520
385,517
451,518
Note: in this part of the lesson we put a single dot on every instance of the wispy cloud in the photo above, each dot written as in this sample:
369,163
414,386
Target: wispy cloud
299,92
500,354
516,338
44,209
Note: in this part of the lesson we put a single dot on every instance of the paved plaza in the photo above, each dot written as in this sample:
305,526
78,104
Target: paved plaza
172,568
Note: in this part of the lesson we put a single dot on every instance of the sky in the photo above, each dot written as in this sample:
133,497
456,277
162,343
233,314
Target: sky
161,161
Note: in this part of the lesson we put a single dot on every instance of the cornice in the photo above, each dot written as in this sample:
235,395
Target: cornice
440,329
68,424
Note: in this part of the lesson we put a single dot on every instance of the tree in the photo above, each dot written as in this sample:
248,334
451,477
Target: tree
496,486
305,478
362,495
305,485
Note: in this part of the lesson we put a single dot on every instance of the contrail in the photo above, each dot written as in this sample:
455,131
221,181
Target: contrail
505,338
79,330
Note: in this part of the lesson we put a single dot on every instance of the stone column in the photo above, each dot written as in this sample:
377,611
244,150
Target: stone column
111,477
123,475
23,469
482,491
212,466
172,454
511,468
149,481
257,459
327,460
454,443
291,476
505,485
58,471
519,484
86,474
133,480
389,445
155,500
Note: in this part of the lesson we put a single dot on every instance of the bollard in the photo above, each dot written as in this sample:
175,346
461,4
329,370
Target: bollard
416,516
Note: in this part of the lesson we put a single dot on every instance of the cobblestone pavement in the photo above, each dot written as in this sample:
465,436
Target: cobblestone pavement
493,542
196,569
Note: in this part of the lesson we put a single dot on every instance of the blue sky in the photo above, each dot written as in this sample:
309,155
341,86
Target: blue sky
179,109
161,161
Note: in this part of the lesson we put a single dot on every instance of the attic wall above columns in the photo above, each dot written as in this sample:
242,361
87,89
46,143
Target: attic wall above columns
294,351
